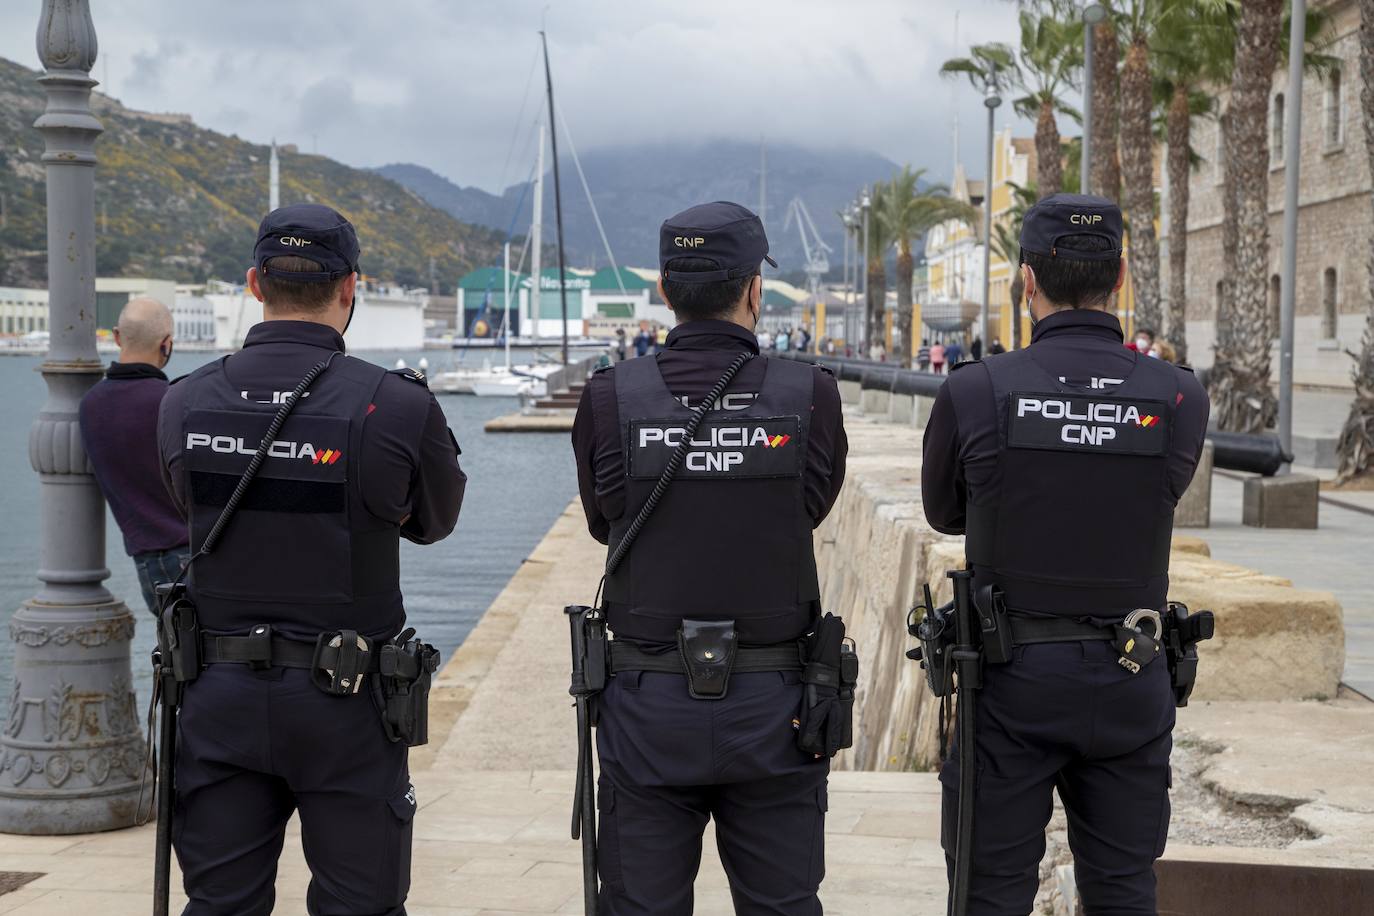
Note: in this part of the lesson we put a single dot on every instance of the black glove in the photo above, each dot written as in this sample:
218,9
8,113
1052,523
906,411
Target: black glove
825,723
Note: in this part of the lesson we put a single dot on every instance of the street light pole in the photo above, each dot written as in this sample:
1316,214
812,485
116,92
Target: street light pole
72,750
864,204
1292,154
844,286
991,100
1093,13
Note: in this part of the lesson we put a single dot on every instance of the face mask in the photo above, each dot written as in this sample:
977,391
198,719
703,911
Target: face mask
352,307
1142,345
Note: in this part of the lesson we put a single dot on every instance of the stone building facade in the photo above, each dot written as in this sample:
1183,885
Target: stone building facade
1335,220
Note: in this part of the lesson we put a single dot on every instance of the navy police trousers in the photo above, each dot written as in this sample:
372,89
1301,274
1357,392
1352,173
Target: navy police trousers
1066,716
254,747
670,763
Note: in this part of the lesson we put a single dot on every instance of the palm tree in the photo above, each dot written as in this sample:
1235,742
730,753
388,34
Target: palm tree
1043,67
1105,168
879,241
1006,241
1139,20
1050,57
1190,51
1242,399
1356,445
908,212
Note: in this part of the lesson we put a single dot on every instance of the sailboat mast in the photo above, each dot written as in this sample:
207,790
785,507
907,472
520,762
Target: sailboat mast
537,242
557,200
273,179
505,299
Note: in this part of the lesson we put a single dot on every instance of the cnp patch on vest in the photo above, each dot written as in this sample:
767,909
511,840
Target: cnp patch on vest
721,448
1088,423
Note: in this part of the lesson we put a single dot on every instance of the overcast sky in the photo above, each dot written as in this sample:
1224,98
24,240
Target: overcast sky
440,82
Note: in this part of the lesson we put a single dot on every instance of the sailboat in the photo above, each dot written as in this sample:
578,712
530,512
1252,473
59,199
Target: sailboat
527,380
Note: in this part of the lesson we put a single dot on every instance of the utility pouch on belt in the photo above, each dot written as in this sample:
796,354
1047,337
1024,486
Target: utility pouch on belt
406,669
178,632
708,653
993,625
825,724
934,627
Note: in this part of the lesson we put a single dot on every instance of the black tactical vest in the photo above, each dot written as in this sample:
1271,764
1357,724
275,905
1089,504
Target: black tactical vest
302,553
1079,518
731,538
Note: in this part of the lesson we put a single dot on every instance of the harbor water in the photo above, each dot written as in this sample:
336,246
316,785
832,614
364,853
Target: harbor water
517,486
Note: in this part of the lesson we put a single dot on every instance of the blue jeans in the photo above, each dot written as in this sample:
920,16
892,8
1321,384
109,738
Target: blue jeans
157,566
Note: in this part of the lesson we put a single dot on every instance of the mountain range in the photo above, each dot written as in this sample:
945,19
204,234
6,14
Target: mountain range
637,186
178,201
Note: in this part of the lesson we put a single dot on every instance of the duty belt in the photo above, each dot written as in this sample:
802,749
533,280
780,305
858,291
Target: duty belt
1027,631
626,656
264,649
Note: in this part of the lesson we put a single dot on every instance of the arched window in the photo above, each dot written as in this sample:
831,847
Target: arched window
1275,297
1335,125
1329,304
1276,130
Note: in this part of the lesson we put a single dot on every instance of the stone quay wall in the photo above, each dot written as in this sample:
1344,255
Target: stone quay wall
874,552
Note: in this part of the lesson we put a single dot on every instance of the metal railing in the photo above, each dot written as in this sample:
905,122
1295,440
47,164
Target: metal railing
1253,453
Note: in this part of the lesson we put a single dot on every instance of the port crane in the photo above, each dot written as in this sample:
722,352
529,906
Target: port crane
813,246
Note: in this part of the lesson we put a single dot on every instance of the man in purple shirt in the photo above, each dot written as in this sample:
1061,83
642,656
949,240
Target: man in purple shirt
119,426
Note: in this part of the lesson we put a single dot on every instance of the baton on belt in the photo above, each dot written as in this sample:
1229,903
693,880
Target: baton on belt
969,672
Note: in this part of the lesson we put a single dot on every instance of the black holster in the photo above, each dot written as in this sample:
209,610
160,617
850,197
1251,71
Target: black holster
1182,632
830,672
178,633
407,667
934,628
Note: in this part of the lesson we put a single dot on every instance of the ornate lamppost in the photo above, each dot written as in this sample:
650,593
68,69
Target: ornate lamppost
71,753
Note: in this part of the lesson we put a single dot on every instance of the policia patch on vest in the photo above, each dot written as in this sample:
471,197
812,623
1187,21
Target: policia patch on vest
305,469
1088,423
737,447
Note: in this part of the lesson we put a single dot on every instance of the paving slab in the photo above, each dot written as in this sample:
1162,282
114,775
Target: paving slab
883,849
1335,557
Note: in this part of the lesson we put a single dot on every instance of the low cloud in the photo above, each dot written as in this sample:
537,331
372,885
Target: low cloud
441,83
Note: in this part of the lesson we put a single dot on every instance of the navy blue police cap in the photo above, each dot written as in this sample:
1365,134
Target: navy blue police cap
1049,221
726,234
310,231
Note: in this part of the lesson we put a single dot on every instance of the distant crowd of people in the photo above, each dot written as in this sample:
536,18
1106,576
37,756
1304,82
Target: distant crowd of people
937,355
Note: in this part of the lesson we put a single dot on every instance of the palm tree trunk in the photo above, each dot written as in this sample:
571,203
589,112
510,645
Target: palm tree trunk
1242,399
1355,449
901,344
1105,168
1179,128
1049,166
1137,172
877,303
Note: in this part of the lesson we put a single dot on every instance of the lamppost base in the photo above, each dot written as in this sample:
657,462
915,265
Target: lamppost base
71,754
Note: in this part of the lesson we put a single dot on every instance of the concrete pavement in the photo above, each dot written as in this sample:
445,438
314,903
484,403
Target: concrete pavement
1335,557
496,844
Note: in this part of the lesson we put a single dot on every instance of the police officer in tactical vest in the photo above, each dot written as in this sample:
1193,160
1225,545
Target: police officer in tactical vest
726,696
298,693
1062,464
